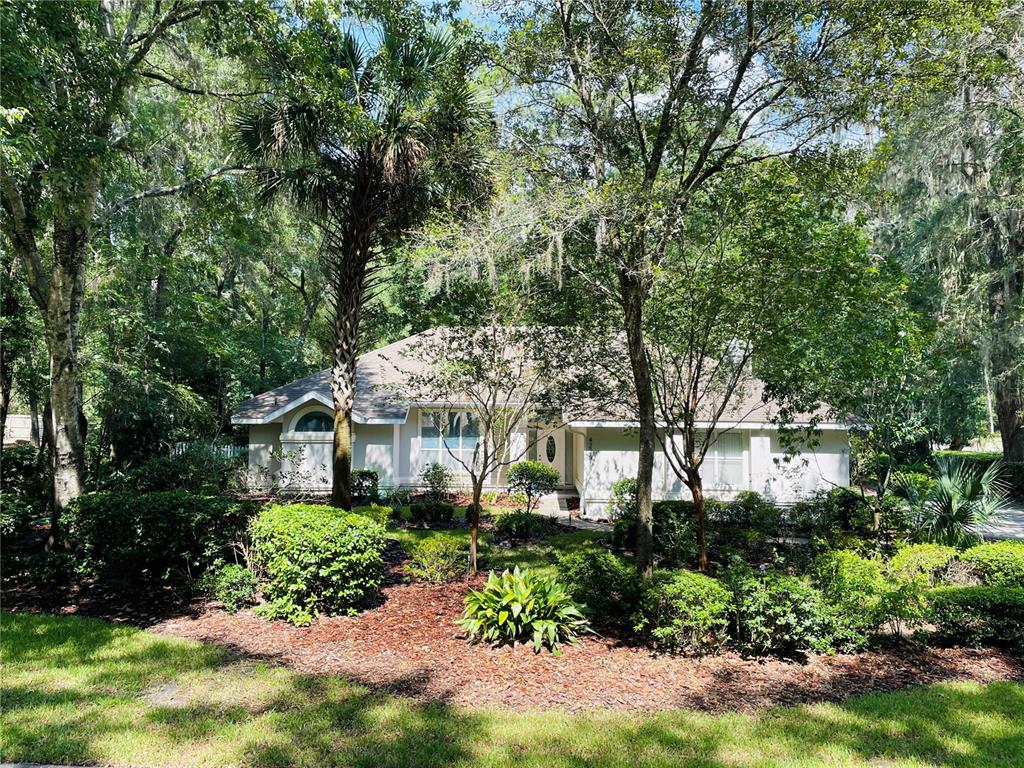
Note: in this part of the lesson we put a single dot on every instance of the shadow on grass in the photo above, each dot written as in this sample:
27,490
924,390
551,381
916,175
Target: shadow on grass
77,690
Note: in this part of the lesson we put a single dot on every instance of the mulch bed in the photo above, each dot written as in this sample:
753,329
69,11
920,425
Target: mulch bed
409,644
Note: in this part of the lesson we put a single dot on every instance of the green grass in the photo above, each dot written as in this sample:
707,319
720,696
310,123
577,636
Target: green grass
540,556
85,691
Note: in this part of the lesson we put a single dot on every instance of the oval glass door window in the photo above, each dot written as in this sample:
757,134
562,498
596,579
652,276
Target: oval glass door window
551,448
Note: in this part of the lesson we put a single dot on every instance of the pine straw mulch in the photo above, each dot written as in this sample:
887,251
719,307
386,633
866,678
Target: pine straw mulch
409,644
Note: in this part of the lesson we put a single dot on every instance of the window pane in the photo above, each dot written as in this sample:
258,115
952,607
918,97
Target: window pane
470,431
729,445
430,433
730,473
315,422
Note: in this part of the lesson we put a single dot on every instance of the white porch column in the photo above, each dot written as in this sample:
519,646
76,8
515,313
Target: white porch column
396,453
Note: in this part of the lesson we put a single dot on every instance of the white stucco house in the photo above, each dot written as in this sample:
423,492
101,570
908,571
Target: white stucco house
290,442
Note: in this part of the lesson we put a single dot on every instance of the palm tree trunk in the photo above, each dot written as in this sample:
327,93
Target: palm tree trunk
348,305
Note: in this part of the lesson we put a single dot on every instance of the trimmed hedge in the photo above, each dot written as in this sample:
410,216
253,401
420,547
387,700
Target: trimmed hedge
685,611
979,615
432,512
520,525
776,614
316,559
999,564
926,562
153,536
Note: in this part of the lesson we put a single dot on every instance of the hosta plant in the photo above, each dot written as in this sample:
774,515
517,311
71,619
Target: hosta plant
519,606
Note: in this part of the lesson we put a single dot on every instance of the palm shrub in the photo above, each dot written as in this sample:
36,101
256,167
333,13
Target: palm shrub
963,498
438,559
316,560
998,564
519,606
684,611
533,479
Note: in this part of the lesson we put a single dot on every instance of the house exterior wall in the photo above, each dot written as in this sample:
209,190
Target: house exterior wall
756,460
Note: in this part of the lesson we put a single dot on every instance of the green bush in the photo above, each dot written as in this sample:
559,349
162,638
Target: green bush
775,614
438,559
199,469
685,612
521,525
378,513
999,564
316,559
854,588
843,519
979,615
432,512
233,585
925,562
153,536
675,541
607,587
16,515
19,473
533,479
518,606
365,484
437,479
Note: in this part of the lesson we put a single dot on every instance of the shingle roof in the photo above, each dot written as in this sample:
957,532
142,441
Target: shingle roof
378,397
381,399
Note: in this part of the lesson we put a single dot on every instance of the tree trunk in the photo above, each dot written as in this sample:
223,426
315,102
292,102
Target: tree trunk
350,278
696,486
1009,405
633,294
63,311
474,523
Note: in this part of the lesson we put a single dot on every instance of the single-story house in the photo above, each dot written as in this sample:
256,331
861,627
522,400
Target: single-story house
290,441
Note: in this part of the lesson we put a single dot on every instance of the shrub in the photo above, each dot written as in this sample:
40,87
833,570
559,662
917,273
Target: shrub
675,542
999,564
396,497
317,559
153,536
16,515
365,484
774,613
749,510
19,473
533,479
925,562
685,611
979,615
842,519
854,588
521,525
199,469
607,587
438,559
623,500
518,606
432,512
437,479
233,585
378,513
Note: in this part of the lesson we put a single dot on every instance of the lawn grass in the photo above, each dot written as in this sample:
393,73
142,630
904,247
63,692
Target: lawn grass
85,691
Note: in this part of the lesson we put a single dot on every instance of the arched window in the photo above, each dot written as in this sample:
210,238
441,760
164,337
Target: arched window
316,421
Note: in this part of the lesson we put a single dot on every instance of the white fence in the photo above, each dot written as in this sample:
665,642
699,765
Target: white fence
223,451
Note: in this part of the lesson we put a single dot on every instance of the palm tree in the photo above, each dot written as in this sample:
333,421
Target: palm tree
389,133
960,501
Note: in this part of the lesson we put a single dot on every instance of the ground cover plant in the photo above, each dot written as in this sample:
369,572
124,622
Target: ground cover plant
84,691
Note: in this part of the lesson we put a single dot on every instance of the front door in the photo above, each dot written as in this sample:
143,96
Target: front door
551,451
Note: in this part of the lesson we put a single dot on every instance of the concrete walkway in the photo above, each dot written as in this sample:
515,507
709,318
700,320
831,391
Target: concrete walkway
556,506
1010,525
